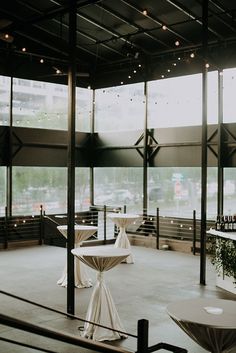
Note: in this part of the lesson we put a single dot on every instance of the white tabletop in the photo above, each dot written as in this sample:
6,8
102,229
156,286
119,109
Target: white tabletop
213,312
100,251
77,227
208,321
226,235
123,215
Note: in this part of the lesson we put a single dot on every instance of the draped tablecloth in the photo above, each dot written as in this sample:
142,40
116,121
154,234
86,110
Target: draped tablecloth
122,220
209,322
101,309
82,232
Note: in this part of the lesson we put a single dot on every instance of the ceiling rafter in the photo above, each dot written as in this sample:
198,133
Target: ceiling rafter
88,36
57,11
218,16
156,20
52,34
135,26
112,32
189,13
218,5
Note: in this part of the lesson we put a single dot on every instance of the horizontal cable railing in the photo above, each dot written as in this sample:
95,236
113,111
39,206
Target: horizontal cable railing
142,336
43,228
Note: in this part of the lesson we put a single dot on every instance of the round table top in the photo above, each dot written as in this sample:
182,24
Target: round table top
100,251
78,227
123,215
212,312
101,258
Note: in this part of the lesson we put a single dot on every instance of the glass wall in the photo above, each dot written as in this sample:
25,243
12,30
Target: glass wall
229,96
2,190
177,191
39,104
45,105
119,187
120,108
82,192
37,186
84,108
229,191
5,100
175,102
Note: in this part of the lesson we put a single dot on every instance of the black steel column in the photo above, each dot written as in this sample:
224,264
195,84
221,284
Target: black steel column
92,144
220,193
71,157
145,159
9,166
204,145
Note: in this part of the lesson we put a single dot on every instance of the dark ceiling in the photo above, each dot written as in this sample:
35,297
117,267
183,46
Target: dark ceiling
117,41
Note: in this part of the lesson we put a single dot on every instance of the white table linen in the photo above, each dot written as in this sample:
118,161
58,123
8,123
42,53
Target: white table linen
208,321
122,220
101,309
82,280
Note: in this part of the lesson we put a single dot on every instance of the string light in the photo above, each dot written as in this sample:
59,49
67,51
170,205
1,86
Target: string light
129,76
41,61
162,76
164,27
174,64
168,70
177,43
207,65
145,12
6,36
23,49
192,55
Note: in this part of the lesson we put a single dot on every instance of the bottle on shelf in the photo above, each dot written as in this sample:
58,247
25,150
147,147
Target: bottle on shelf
230,219
234,223
222,224
226,224
218,223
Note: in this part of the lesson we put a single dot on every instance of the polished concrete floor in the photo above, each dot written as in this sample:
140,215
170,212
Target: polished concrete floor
141,291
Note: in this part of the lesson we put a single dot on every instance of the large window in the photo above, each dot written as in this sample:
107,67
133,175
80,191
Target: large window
120,108
177,191
83,109
229,191
175,102
229,96
39,104
36,186
2,190
119,187
45,105
4,100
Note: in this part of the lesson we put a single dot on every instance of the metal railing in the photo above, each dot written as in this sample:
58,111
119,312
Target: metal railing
42,227
142,333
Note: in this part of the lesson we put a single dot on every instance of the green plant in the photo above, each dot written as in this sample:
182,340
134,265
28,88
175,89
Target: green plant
223,256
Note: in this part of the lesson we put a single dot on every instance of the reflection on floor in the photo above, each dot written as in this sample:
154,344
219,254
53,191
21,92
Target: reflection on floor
141,291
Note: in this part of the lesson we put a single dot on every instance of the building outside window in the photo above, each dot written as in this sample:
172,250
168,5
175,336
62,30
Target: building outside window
229,96
120,108
119,187
2,191
5,100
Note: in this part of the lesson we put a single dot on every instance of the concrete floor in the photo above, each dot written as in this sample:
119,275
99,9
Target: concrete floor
141,291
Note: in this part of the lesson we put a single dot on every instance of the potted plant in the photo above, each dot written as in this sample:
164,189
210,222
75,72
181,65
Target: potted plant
223,256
